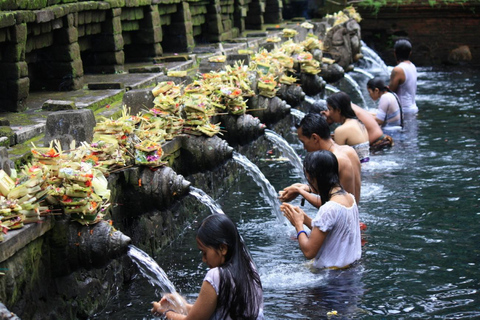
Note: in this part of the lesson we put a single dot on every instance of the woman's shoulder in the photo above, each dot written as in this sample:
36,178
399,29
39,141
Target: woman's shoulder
346,200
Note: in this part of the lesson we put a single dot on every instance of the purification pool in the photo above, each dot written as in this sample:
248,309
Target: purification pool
420,201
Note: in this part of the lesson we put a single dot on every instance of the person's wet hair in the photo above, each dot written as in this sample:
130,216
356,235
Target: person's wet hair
239,279
402,49
341,101
376,83
314,123
322,167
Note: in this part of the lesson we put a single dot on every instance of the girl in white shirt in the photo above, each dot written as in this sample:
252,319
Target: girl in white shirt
334,240
231,288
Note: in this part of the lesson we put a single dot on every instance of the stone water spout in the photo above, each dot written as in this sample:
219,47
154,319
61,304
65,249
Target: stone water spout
268,110
292,94
312,84
331,73
140,189
77,246
200,153
241,130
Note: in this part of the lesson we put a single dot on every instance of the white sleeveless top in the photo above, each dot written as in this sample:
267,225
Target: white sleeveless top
342,246
388,110
213,277
406,91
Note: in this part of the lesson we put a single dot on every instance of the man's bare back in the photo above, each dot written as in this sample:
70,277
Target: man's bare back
349,169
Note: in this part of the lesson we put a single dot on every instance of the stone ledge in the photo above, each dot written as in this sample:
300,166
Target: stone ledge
25,133
16,240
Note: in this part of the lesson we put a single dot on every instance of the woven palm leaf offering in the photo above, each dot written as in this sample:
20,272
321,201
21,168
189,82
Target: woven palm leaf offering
240,77
45,155
285,62
237,106
149,153
197,111
352,13
307,25
274,39
312,42
291,48
162,87
267,86
22,203
307,63
219,58
104,153
289,33
177,73
288,80
120,129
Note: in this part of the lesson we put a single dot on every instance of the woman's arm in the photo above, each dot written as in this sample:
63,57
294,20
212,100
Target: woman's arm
296,189
310,245
202,309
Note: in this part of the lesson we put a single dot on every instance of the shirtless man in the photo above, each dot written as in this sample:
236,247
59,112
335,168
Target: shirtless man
403,79
314,133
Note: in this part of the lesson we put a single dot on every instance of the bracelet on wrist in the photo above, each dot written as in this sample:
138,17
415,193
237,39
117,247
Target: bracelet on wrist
300,232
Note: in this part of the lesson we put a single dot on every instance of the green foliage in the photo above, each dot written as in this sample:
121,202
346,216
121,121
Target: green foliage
376,5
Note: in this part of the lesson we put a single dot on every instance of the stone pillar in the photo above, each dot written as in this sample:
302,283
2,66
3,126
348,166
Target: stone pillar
65,53
148,39
239,14
198,12
273,11
14,81
108,45
214,21
254,19
180,35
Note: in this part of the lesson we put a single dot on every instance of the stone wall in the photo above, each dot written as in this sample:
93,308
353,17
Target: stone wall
440,34
51,44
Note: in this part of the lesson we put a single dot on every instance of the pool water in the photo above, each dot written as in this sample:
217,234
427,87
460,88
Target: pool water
420,201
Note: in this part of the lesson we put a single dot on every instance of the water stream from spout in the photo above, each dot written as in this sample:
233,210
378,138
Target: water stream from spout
331,88
356,88
286,149
364,72
206,200
297,113
268,190
372,56
150,269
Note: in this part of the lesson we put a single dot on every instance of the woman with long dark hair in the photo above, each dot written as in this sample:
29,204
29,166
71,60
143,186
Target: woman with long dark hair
389,112
231,288
351,131
334,240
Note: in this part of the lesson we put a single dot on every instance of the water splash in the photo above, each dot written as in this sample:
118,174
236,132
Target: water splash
356,88
286,149
331,88
150,269
298,113
268,190
364,72
372,56
206,200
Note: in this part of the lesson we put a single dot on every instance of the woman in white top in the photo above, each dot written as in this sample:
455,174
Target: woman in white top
231,288
334,240
389,112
